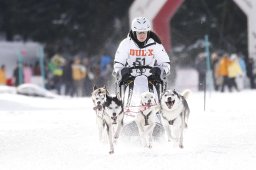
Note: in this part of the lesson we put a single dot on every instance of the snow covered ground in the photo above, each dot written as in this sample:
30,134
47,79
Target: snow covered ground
61,134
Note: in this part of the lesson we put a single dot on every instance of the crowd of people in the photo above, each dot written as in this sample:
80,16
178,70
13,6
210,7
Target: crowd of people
70,76
229,71
75,76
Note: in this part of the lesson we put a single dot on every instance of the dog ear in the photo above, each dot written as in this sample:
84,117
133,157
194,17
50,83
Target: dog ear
107,96
174,91
94,87
162,95
107,91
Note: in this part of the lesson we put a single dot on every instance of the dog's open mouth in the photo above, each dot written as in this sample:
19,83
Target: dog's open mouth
147,105
170,103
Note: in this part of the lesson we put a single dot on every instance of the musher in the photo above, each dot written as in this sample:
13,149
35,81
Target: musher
142,48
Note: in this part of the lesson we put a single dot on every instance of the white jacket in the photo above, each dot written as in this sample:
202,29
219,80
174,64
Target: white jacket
129,54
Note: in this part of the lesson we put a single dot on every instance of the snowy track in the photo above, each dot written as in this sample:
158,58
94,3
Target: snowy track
61,134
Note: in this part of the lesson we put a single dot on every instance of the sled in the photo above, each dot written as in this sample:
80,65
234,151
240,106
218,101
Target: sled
130,93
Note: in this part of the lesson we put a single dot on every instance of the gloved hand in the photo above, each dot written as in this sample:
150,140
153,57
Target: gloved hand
155,73
125,73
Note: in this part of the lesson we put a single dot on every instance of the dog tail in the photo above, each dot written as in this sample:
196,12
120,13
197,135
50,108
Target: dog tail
186,93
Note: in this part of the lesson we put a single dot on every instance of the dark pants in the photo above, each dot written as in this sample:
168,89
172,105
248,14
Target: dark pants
57,83
69,88
252,81
225,83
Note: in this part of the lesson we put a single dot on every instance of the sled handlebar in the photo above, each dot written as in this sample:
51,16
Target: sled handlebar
140,67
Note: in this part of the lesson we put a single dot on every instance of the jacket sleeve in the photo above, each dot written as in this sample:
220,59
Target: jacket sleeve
162,58
121,55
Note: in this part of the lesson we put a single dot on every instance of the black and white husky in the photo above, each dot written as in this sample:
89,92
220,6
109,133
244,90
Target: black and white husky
175,112
146,118
99,98
113,116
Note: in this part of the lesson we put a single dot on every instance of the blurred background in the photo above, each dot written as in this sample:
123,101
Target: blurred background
42,41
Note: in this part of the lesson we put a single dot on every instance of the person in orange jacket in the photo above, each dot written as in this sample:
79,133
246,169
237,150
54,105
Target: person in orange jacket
222,71
2,75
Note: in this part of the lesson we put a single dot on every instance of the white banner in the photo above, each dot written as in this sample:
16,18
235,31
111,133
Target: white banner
249,8
145,8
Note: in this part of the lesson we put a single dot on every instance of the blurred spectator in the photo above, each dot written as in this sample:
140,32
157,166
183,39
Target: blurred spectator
58,60
27,72
250,72
16,76
67,78
216,79
242,80
222,72
55,67
2,75
78,75
104,62
234,70
200,65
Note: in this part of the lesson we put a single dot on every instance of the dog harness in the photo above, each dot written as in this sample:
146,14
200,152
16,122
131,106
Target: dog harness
170,122
142,109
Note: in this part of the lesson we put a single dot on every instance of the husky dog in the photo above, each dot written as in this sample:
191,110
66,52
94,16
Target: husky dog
146,118
113,115
99,98
175,112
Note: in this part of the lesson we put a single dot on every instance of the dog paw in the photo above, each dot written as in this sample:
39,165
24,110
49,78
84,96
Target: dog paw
149,146
181,146
111,152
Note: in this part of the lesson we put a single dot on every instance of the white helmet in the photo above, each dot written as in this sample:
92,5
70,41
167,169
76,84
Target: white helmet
141,24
